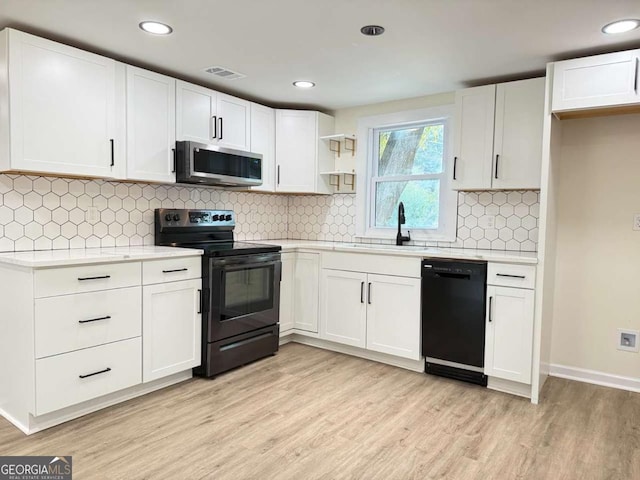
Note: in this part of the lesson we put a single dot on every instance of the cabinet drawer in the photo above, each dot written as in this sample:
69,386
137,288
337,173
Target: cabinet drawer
72,322
171,270
75,377
508,275
87,278
366,262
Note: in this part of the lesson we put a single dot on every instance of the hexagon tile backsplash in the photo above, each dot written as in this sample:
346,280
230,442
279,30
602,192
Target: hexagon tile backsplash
42,213
515,215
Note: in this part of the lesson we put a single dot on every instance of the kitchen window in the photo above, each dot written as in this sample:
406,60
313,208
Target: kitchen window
408,161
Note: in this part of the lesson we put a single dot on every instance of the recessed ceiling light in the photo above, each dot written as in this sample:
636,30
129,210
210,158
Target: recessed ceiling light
621,26
372,30
304,84
156,28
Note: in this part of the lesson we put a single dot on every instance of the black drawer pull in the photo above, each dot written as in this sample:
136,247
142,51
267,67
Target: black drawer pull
510,276
82,279
176,270
95,319
95,373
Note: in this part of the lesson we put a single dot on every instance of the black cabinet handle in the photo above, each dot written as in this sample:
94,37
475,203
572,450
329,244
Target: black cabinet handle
174,160
95,319
113,162
278,175
95,373
83,279
455,164
176,270
214,120
490,308
361,292
510,276
200,301
369,294
497,160
220,137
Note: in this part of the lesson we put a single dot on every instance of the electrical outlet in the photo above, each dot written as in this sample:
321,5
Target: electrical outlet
636,221
628,340
93,215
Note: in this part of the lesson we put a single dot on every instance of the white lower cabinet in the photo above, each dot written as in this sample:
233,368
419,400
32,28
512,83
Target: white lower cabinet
343,308
377,312
287,287
393,315
299,292
171,328
509,333
71,378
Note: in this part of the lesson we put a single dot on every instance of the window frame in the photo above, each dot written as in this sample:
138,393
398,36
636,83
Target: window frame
368,127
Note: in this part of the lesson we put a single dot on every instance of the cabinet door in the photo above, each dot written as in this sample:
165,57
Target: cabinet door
296,147
343,311
509,333
517,150
234,122
263,141
287,287
196,119
62,108
171,327
393,315
598,81
473,138
151,131
307,279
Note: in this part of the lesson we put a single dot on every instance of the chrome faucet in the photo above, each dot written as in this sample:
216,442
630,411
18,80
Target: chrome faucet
400,239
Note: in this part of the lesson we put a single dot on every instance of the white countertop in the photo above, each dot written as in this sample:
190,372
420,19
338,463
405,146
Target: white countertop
83,256
412,251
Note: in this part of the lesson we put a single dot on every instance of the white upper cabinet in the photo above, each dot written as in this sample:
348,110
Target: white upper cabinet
150,126
600,81
263,141
234,122
300,155
498,136
473,138
60,105
517,145
206,116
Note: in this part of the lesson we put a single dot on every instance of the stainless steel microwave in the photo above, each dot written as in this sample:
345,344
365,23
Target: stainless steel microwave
213,165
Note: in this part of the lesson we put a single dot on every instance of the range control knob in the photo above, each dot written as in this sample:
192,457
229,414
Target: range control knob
176,218
228,218
168,217
214,218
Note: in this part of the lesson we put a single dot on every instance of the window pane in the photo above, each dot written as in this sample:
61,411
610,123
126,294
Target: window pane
421,200
411,151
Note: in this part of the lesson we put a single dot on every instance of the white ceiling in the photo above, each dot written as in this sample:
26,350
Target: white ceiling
430,46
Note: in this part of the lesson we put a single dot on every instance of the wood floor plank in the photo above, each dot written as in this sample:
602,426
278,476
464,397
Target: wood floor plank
308,413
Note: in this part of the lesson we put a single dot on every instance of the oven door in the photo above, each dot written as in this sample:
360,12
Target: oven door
245,294
213,165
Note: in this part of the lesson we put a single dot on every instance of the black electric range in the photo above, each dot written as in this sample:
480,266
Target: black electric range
240,285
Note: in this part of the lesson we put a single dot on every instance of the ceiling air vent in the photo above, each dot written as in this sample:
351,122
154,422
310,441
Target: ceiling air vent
224,73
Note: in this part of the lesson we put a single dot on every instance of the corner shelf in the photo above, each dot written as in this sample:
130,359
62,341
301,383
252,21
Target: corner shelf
340,173
337,141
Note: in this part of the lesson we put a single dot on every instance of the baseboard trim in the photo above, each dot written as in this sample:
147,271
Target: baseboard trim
508,386
595,377
413,365
14,422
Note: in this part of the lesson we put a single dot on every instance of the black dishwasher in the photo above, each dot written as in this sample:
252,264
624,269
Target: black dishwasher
453,318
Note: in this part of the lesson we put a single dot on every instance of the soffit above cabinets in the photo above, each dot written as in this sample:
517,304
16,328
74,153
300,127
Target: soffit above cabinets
428,46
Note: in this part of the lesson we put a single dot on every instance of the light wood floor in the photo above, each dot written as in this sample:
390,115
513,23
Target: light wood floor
308,414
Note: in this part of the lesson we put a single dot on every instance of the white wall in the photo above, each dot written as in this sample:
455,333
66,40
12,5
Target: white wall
598,254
